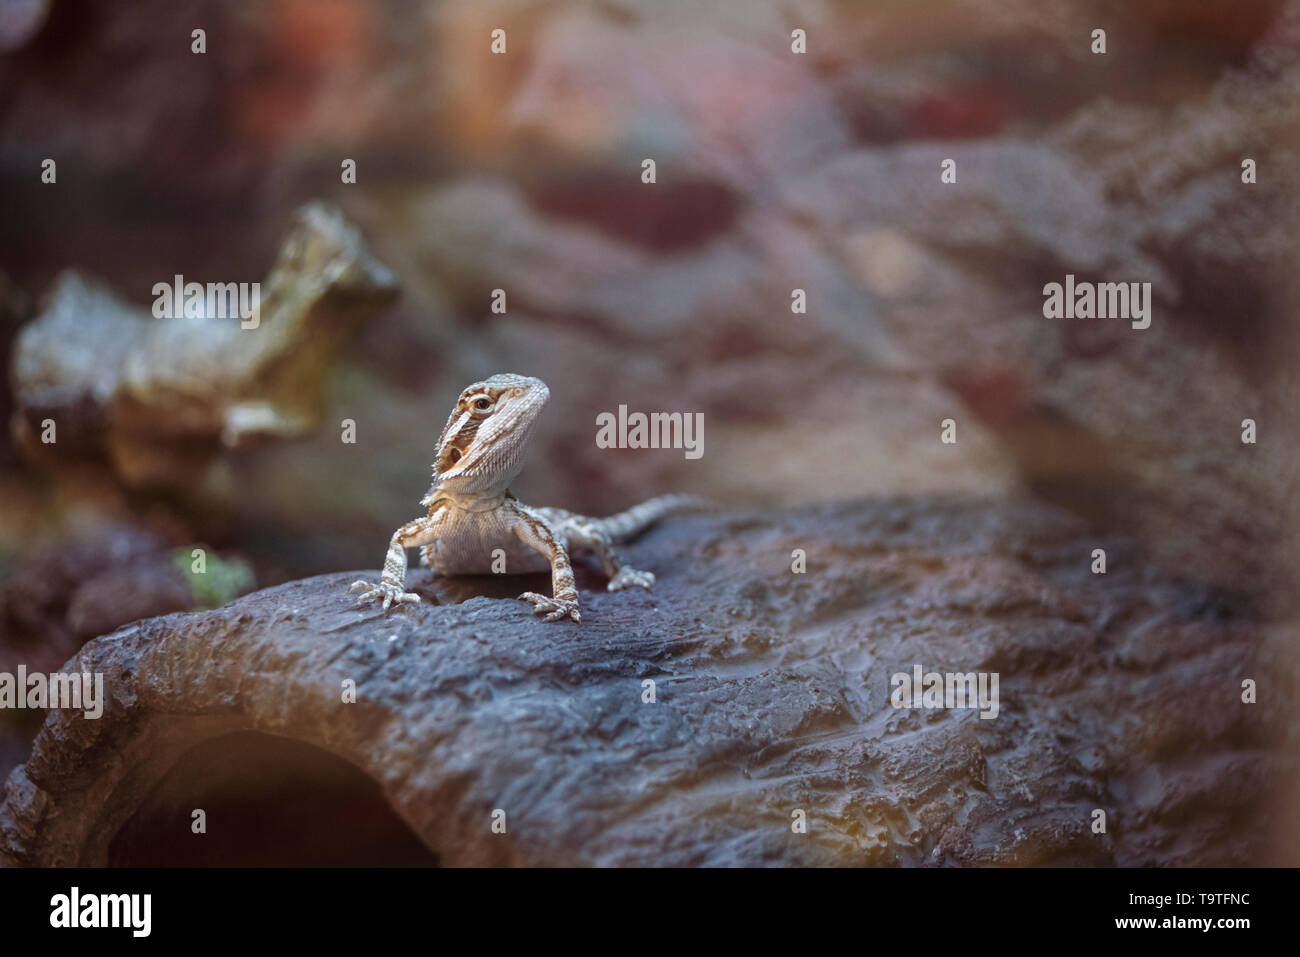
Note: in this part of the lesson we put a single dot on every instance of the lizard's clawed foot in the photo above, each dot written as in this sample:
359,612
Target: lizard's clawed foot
628,576
553,608
389,592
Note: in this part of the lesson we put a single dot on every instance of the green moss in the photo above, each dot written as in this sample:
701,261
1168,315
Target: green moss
220,580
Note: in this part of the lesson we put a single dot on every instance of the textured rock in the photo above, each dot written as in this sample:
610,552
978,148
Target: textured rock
162,396
1118,691
520,172
96,576
99,576
776,171
822,172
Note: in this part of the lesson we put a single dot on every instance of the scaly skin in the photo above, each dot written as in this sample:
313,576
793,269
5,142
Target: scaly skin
474,523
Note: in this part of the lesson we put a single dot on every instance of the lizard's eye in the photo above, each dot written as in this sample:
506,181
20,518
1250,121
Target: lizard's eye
483,404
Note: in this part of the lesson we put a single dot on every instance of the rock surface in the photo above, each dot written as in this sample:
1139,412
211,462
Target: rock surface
1118,691
230,363
775,171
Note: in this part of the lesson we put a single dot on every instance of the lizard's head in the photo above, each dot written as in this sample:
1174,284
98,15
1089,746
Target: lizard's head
482,447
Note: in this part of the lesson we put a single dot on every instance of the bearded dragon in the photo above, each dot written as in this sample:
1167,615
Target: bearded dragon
472,512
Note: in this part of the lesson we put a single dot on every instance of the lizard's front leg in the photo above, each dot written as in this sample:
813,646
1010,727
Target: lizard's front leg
538,535
421,531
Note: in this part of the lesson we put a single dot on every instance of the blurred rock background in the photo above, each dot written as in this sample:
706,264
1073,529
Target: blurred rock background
775,171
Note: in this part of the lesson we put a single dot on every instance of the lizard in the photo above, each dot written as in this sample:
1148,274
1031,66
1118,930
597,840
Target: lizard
472,513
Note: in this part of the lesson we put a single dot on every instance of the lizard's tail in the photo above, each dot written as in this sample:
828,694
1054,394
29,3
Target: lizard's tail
637,519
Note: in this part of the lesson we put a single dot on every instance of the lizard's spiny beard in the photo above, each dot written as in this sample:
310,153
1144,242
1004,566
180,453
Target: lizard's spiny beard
481,454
